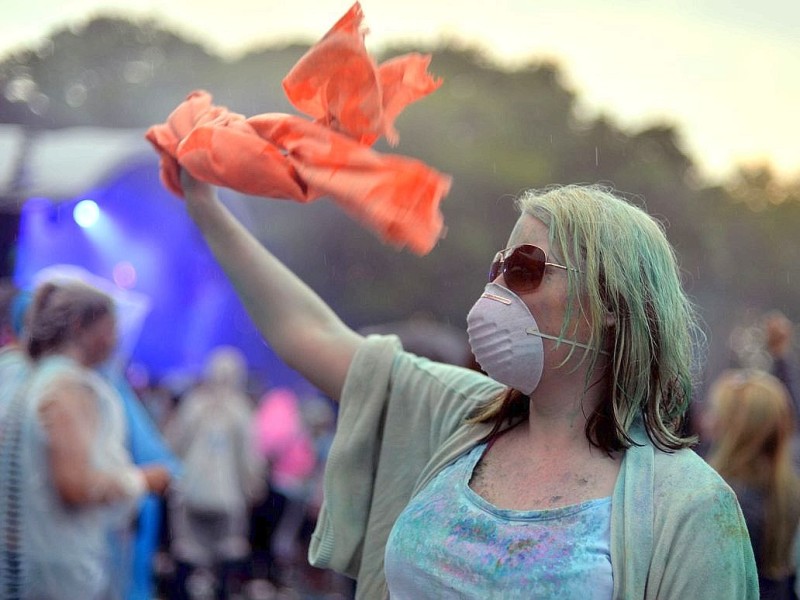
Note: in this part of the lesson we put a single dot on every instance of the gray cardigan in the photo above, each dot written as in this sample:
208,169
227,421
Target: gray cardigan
677,531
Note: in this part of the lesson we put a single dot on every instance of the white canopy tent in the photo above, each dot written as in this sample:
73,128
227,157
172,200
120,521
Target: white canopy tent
61,164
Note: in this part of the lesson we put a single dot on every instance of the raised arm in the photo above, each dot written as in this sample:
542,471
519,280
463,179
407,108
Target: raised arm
293,319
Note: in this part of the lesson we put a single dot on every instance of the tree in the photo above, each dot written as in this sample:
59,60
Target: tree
496,130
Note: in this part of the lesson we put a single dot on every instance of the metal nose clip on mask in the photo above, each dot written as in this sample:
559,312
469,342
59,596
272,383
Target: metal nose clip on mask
503,337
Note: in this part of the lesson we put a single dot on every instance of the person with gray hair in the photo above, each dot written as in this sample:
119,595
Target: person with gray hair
67,479
564,472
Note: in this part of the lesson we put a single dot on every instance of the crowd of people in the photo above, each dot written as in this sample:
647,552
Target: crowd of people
158,493
557,464
750,422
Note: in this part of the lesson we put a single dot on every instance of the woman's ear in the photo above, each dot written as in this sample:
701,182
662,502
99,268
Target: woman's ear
610,320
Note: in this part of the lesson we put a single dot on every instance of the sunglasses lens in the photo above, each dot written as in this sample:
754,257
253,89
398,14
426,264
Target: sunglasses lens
497,266
524,269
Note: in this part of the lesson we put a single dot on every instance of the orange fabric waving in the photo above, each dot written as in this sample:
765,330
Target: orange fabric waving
353,102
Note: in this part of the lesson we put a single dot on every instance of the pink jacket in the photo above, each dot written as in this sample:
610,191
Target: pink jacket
284,441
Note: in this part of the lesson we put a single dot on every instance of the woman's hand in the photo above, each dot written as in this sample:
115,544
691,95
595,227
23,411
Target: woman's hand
200,198
157,478
194,188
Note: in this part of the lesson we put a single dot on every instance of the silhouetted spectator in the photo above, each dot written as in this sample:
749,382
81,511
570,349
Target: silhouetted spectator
212,433
67,479
751,423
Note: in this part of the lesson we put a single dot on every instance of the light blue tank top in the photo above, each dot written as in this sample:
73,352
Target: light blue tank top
50,550
451,543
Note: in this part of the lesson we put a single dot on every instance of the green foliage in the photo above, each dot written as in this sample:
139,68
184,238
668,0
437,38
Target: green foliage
496,131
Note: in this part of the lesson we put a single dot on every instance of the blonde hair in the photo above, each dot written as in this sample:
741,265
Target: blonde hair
624,266
753,425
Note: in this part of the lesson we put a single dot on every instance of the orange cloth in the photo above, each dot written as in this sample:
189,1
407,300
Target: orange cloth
275,155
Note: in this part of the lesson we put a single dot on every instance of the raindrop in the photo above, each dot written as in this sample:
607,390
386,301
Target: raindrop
76,95
136,71
155,56
39,103
20,89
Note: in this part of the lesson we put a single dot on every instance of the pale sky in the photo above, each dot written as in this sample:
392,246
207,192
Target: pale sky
726,72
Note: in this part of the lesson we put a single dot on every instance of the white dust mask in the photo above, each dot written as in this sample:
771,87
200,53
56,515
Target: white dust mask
506,340
498,327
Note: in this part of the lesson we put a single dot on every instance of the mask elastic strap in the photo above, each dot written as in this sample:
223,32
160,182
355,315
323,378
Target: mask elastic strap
532,331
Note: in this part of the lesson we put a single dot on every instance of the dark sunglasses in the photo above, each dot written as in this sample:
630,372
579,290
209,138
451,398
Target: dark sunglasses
522,267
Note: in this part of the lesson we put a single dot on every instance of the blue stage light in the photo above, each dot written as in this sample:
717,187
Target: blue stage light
86,213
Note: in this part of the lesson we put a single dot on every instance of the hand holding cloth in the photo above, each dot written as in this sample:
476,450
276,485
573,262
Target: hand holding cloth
353,102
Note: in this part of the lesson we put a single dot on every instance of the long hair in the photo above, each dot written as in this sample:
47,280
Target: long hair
623,267
752,428
58,311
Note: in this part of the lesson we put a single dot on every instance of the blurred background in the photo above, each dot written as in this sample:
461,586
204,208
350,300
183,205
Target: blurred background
690,111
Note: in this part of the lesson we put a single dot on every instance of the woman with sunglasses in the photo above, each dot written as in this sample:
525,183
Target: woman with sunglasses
564,473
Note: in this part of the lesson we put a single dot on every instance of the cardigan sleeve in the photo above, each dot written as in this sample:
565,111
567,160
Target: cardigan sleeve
396,410
702,547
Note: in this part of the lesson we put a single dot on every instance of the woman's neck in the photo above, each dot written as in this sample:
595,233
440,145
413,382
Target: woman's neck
559,410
